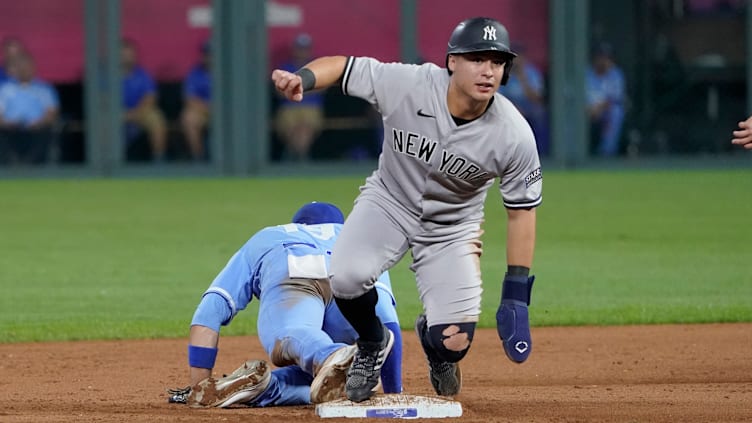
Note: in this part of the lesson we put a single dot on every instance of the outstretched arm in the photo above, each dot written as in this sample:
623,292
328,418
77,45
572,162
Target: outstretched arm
206,339
512,321
520,237
318,74
743,136
202,346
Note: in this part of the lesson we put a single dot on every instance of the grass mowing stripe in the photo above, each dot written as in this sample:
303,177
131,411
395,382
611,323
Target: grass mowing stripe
89,259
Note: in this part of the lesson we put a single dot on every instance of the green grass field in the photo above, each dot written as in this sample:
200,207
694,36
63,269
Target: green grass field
98,259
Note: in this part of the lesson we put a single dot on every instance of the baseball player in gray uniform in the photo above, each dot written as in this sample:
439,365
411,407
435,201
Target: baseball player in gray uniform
448,136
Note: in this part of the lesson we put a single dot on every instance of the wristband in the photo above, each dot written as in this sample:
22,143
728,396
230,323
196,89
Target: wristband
202,357
518,271
307,77
517,289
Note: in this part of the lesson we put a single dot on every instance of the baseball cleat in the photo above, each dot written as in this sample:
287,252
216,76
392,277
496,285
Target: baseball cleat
243,385
364,374
329,383
446,378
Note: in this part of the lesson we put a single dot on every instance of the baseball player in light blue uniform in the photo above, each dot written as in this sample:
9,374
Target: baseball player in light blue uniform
286,268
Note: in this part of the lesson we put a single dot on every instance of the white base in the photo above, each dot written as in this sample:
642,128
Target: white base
394,406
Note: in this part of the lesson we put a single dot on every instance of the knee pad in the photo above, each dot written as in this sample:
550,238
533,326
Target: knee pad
451,341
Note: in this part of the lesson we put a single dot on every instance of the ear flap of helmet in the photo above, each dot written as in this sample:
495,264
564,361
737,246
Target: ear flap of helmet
507,71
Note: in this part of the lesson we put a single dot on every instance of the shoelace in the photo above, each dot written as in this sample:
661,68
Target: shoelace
442,368
364,361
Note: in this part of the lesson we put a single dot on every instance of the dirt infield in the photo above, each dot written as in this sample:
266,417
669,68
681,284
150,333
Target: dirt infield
694,373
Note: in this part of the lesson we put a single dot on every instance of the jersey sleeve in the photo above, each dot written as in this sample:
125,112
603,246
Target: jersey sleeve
233,284
213,311
50,99
382,84
536,81
617,87
4,97
148,84
521,182
190,85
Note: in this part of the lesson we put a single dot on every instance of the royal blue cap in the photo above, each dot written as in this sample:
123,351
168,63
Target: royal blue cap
315,213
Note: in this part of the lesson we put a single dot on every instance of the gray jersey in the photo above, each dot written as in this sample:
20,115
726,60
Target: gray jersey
438,170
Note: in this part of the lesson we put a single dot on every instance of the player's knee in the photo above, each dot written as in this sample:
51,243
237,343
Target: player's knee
280,353
350,279
451,341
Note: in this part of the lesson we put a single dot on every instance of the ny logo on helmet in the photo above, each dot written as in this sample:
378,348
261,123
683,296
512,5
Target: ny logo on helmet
489,33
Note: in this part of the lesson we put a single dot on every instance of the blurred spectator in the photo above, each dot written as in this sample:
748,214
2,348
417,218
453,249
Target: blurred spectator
28,110
299,123
605,99
12,48
526,90
140,101
196,96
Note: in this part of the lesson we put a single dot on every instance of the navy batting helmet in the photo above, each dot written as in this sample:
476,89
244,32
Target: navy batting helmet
481,34
315,213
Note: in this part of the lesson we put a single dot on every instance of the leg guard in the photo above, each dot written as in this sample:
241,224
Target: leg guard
454,342
448,342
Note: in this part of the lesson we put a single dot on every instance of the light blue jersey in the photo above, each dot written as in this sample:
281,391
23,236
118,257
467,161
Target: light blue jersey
26,103
272,255
280,265
609,88
514,90
534,111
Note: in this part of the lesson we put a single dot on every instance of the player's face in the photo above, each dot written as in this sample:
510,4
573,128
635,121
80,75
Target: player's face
127,56
478,75
23,68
